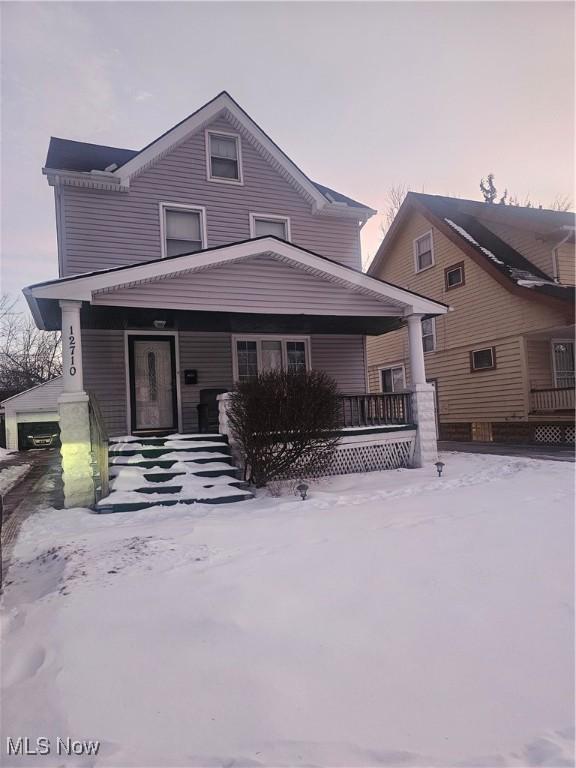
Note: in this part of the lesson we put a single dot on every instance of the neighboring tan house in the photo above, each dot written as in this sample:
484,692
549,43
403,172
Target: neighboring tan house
196,262
502,360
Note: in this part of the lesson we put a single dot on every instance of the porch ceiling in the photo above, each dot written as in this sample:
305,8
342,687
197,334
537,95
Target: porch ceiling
138,318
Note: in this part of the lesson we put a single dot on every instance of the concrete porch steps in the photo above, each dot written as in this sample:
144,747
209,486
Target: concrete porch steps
165,470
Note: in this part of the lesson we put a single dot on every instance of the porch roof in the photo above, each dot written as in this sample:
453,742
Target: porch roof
331,289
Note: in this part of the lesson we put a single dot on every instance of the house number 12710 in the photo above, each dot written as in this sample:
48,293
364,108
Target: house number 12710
72,349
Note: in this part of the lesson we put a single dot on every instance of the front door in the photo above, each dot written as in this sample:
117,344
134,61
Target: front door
152,382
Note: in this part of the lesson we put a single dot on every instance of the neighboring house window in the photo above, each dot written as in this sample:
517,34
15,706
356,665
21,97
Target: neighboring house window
483,359
423,252
264,224
266,353
454,276
563,357
183,229
224,157
392,379
429,334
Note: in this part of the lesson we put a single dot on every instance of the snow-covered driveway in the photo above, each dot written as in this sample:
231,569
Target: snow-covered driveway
392,619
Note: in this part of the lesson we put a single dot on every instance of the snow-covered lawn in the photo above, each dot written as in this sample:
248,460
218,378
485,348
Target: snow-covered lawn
392,619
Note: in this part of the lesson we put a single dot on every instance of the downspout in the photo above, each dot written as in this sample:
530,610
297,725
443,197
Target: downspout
555,274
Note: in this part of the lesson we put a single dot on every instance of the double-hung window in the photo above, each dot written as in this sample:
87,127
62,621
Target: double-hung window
423,252
392,379
224,157
268,224
429,334
255,355
183,229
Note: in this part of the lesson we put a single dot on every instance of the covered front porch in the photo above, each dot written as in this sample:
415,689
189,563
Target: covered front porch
550,364
152,349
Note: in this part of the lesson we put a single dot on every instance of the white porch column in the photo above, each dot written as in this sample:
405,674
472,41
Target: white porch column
73,407
423,400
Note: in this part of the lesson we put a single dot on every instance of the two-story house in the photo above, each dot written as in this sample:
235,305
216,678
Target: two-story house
196,262
502,361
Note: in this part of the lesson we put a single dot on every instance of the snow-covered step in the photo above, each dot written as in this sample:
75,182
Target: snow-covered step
154,440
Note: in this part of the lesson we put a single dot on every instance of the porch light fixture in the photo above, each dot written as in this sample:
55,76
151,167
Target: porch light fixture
439,467
159,324
302,489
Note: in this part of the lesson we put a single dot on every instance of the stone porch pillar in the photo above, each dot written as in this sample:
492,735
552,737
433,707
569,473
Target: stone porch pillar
73,407
423,400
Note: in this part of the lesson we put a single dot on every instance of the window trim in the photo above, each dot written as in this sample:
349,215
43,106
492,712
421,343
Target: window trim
217,179
272,217
259,338
163,207
433,334
460,266
415,251
485,368
391,368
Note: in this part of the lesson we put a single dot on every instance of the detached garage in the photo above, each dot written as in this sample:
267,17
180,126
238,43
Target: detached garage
32,416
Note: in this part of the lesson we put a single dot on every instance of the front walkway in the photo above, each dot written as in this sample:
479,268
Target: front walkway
547,452
41,487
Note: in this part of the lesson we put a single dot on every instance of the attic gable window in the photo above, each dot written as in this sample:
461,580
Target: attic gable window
183,229
423,252
267,224
224,157
454,276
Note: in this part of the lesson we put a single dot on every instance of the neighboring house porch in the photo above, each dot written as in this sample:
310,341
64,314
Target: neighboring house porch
155,345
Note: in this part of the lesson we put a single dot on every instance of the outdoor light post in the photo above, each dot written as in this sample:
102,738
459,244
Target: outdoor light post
439,467
302,489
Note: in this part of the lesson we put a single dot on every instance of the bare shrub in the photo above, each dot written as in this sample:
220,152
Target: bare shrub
284,423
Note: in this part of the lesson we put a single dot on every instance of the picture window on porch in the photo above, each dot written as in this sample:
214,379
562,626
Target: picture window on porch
224,159
393,379
429,334
183,229
483,359
423,252
256,355
262,225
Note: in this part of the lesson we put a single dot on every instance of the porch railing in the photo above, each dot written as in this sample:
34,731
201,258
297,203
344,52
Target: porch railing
376,410
99,447
557,399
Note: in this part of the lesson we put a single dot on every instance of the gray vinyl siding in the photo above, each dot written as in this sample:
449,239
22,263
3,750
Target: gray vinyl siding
210,354
109,229
105,375
259,284
342,357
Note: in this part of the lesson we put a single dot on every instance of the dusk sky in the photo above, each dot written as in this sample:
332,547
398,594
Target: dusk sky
362,96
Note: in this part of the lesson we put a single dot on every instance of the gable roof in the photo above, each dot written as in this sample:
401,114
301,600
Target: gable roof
461,221
77,156
82,287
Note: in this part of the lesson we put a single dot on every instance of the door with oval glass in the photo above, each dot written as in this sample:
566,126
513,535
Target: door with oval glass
152,383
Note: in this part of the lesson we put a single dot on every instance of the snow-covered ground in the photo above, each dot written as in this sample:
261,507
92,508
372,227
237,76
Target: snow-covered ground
392,619
9,476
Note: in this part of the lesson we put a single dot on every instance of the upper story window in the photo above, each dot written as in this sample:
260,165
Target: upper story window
224,157
483,359
429,334
424,252
183,229
268,224
454,276
393,379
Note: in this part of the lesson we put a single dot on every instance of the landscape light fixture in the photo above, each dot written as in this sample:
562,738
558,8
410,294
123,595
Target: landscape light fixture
439,467
302,489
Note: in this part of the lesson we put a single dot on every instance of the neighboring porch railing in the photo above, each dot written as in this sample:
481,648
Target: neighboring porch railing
557,399
376,410
99,448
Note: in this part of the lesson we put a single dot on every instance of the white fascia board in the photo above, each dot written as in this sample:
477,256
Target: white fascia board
82,288
198,120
